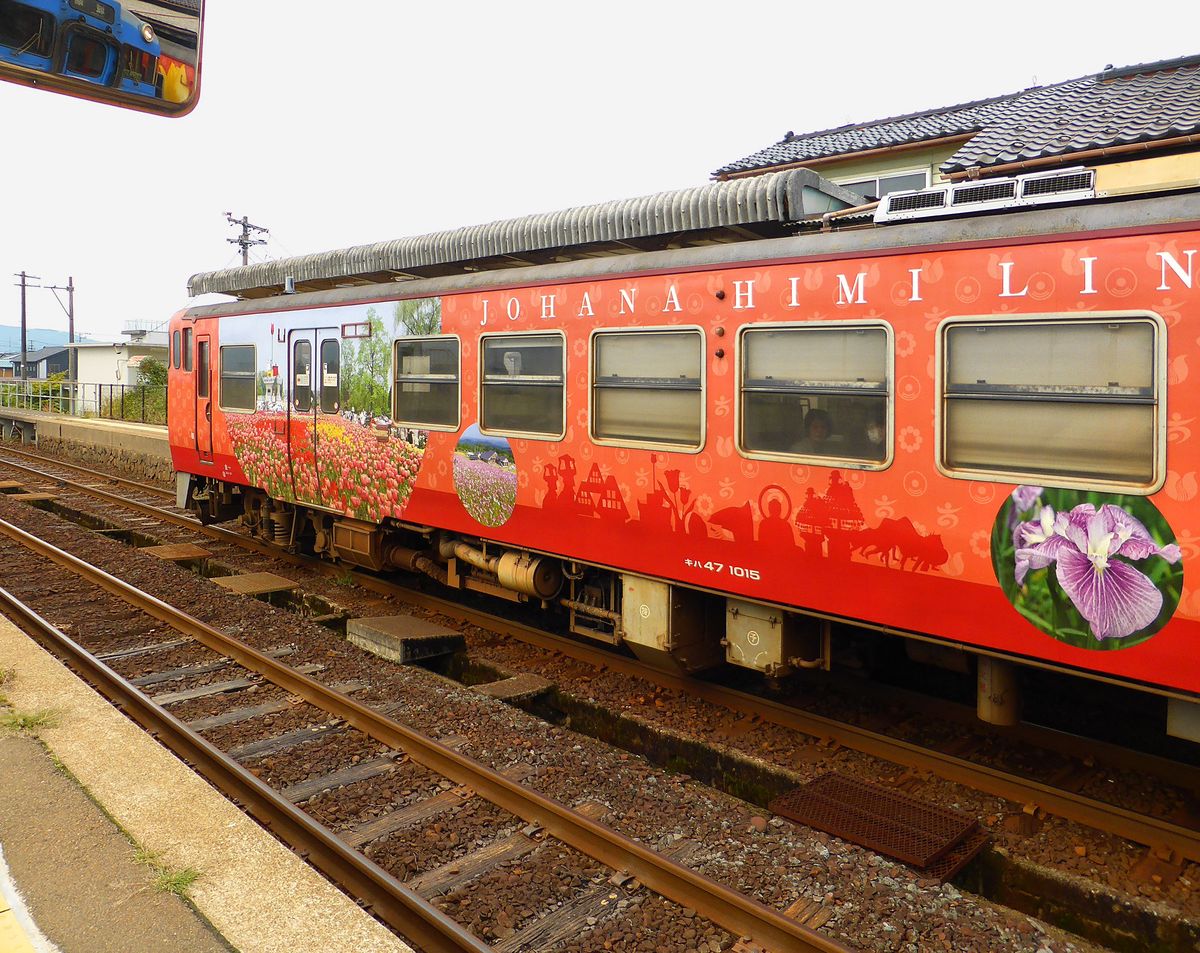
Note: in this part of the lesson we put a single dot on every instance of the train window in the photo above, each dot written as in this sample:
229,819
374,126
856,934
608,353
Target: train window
427,382
331,360
26,30
187,349
647,387
522,380
1069,401
302,376
87,57
202,374
175,350
815,390
138,65
239,378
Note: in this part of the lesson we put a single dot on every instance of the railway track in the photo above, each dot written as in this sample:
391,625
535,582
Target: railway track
1153,832
403,907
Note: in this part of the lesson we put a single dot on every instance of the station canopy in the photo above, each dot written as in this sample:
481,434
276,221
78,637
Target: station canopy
765,206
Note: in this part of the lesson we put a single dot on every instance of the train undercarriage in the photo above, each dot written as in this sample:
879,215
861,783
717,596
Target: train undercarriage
672,627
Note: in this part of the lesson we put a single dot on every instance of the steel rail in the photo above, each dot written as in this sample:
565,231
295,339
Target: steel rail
402,909
735,912
1142,829
107,477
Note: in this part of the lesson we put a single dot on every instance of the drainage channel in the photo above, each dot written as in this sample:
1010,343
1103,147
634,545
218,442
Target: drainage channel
1073,904
308,605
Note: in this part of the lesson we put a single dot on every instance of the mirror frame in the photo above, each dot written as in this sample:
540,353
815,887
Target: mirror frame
82,89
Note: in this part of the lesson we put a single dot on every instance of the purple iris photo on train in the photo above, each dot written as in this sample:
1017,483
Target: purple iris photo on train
1094,571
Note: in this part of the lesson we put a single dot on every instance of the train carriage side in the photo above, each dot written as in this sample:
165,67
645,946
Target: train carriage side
985,447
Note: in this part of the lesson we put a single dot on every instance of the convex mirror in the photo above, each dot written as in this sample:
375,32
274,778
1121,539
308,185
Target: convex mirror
140,54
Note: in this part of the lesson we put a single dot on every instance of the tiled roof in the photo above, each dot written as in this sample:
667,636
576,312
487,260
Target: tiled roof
1117,106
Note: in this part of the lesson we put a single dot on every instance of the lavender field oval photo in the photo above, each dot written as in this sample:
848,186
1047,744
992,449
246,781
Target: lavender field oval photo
485,477
1093,570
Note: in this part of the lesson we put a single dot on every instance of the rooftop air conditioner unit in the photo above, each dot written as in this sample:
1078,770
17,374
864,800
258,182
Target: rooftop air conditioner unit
1061,185
986,195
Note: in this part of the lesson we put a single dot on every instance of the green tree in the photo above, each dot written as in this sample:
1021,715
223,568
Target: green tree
152,372
364,370
418,316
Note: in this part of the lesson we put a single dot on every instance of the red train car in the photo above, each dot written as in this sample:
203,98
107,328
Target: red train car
977,433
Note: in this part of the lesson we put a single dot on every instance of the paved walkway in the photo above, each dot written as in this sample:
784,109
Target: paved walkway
78,876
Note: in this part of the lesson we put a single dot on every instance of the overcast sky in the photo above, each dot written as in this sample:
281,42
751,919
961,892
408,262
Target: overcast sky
341,124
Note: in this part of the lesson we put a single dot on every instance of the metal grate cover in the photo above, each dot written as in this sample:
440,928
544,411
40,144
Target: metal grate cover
1053,184
875,817
987,192
957,857
916,200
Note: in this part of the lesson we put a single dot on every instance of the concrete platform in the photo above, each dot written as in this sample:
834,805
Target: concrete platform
140,786
404,638
141,448
18,932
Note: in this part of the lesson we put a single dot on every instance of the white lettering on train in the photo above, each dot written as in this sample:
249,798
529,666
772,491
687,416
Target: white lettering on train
1088,287
1169,261
916,284
672,302
795,300
852,294
1006,268
1176,268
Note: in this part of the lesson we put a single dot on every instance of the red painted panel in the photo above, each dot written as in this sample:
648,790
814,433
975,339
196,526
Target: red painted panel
906,547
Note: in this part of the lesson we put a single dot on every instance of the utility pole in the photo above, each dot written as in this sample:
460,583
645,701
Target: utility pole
244,241
24,345
72,356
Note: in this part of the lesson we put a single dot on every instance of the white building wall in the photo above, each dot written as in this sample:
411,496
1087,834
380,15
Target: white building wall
102,365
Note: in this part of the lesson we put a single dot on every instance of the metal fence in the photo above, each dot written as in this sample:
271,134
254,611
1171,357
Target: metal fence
141,403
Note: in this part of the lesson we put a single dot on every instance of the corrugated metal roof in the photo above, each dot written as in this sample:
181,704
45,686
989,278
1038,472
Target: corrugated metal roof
1133,104
760,205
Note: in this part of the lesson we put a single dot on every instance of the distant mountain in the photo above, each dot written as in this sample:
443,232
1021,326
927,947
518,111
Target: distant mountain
471,436
10,338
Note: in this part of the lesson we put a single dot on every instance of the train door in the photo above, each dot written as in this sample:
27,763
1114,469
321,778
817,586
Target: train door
203,365
314,375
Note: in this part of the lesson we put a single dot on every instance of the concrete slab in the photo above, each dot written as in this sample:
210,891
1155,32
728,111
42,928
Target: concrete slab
177,552
255,583
404,638
516,689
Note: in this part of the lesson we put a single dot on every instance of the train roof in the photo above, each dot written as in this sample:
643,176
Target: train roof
1143,103
1156,213
765,206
